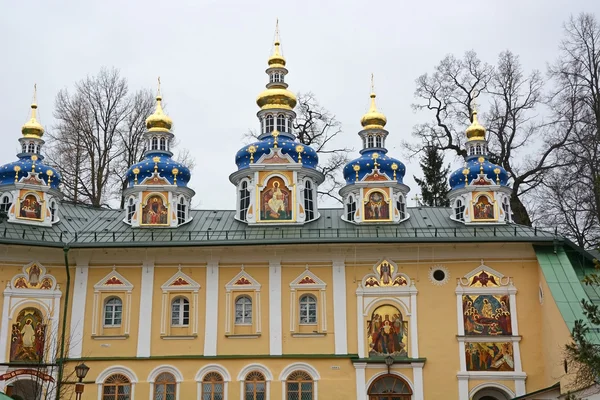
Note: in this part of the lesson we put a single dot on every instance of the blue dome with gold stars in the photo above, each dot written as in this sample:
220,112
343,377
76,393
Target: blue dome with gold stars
476,166
310,159
25,164
163,164
366,163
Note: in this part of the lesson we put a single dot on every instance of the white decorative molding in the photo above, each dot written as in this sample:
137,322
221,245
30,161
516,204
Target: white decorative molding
419,389
159,370
300,366
398,374
116,369
339,307
242,282
275,325
361,385
78,310
212,309
179,283
307,281
145,314
492,385
212,368
435,268
113,282
255,367
117,283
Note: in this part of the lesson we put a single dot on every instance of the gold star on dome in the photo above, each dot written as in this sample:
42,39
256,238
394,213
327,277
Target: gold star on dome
394,168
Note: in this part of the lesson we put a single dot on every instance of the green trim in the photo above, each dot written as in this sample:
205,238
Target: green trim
221,357
555,386
379,360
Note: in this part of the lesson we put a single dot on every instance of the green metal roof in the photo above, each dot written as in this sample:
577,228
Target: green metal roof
83,226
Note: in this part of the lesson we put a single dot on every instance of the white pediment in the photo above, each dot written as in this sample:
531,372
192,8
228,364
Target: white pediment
180,282
243,281
308,280
114,281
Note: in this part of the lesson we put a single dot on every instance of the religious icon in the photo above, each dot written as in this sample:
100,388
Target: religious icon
30,208
489,356
483,209
155,212
377,208
487,315
276,201
28,336
387,333
385,273
34,275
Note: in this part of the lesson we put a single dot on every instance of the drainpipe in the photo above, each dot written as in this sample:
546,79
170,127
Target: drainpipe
64,327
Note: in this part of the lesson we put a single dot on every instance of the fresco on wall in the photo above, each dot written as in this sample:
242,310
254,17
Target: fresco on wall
387,333
483,209
30,207
276,201
489,356
155,212
487,315
28,336
376,208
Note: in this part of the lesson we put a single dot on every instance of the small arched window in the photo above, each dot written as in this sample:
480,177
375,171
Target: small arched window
269,124
506,209
378,141
24,147
370,141
244,200
31,148
309,203
163,143
255,386
5,204
243,310
299,385
350,208
180,312
181,211
113,312
478,149
154,145
401,206
116,387
459,210
213,387
308,310
130,209
281,123
52,211
165,387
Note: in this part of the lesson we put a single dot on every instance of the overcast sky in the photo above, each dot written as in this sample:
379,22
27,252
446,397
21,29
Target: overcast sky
211,57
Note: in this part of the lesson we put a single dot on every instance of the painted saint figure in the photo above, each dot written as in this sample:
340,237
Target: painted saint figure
30,208
376,208
483,209
155,212
28,336
387,332
276,201
385,273
486,315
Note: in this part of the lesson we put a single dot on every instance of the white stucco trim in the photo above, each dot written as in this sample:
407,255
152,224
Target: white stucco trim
159,370
300,367
212,368
117,369
414,340
339,307
145,317
360,322
255,367
211,310
361,389
398,374
4,329
78,310
275,328
418,393
491,385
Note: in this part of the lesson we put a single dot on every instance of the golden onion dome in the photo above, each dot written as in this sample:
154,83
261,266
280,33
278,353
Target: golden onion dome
277,60
33,128
159,121
475,131
373,119
276,98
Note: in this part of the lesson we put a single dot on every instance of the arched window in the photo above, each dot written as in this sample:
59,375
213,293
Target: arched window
5,204
289,125
53,211
163,143
309,203
471,150
130,209
116,387
459,210
181,211
364,140
154,145
478,149
276,77
255,386
165,387
281,123
370,141
24,147
401,206
31,148
350,208
506,209
213,387
180,312
308,310
389,387
269,124
262,126
113,312
243,310
378,141
491,393
244,200
299,386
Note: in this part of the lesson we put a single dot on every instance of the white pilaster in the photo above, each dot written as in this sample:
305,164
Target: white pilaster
145,317
520,387
460,315
4,328
212,308
275,330
78,310
339,307
418,382
463,388
414,327
360,322
513,313
517,357
361,389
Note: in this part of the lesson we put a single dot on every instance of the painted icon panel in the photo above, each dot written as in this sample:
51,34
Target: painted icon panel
483,209
489,356
30,208
487,315
276,201
376,207
387,333
155,212
28,336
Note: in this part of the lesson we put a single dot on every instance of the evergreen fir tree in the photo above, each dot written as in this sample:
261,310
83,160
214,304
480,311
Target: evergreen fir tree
434,188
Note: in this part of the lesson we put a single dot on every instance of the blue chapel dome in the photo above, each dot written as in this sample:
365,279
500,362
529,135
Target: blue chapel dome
310,159
25,163
365,162
457,178
165,165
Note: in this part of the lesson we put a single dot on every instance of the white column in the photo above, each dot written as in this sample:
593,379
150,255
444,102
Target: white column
517,357
275,330
145,317
463,388
414,327
418,382
4,328
513,313
360,322
339,307
361,389
460,314
212,308
78,310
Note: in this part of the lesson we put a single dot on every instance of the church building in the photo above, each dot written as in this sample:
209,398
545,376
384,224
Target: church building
281,299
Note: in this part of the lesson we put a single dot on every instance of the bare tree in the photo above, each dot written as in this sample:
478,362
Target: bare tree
519,140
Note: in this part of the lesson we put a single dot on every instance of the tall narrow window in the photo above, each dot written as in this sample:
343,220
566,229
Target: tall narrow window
308,310
113,312
154,145
370,141
31,148
116,387
52,211
309,203
181,211
5,204
459,210
24,147
506,209
478,149
364,140
281,123
213,387
244,200
269,124
180,312
350,208
299,386
378,141
401,206
163,143
289,125
243,310
130,209
255,386
165,387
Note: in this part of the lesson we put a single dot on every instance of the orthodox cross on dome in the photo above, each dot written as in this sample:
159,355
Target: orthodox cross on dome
417,199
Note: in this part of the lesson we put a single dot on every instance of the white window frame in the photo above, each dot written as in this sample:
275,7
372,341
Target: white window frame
244,301
181,302
311,300
113,311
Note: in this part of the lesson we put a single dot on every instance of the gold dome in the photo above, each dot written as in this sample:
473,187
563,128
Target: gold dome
373,119
475,131
276,98
159,121
33,128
